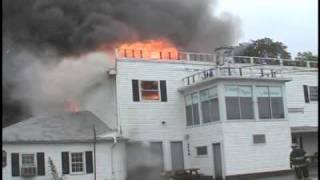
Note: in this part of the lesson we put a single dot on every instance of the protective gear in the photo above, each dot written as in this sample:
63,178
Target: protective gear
299,161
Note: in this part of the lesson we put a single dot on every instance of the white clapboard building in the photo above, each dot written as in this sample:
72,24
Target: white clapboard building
227,116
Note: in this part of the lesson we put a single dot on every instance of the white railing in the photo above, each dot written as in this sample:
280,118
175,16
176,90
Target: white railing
208,57
163,55
231,72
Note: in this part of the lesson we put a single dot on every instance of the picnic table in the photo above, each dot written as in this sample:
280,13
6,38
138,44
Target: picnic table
182,174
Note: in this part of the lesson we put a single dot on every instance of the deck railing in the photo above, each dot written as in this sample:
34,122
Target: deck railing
208,57
231,72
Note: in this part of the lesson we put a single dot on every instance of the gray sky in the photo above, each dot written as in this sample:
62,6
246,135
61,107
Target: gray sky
293,22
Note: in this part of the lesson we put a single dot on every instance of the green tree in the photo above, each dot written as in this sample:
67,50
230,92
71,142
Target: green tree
54,172
266,47
306,56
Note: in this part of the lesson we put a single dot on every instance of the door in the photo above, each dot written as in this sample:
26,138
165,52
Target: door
177,155
216,148
156,160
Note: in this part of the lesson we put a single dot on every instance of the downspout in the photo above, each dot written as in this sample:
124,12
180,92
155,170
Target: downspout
111,158
94,152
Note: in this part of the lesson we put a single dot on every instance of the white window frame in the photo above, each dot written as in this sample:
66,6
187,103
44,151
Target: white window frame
34,160
282,96
252,96
83,163
309,94
200,103
141,89
199,108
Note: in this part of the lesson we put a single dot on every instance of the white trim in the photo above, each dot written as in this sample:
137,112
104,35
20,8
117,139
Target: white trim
140,91
83,163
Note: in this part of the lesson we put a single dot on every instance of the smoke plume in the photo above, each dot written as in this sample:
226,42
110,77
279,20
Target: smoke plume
37,34
76,26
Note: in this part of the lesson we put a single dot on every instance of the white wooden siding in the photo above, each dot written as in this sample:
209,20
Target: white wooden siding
103,166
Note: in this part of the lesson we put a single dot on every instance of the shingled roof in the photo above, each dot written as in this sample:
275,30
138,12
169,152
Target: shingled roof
60,127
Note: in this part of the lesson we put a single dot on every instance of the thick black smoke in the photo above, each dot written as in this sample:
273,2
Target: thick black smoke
76,26
48,28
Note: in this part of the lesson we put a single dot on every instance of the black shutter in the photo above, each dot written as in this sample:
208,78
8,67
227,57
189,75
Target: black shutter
135,90
15,164
41,164
89,162
163,90
65,162
306,93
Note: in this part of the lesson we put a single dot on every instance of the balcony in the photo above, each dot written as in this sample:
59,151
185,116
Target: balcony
232,72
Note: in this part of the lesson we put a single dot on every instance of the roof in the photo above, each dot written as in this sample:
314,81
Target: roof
299,129
59,127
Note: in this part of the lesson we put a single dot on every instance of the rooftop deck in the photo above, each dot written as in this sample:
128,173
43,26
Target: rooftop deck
139,54
241,72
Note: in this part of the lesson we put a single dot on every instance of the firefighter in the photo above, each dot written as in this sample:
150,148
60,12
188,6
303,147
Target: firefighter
299,161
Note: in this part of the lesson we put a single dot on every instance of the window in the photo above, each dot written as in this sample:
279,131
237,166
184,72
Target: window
310,93
313,91
192,109
270,102
4,158
209,105
27,160
239,102
28,167
202,150
77,162
150,90
259,138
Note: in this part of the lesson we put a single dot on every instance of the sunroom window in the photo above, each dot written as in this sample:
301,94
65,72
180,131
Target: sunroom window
192,109
239,103
270,102
209,105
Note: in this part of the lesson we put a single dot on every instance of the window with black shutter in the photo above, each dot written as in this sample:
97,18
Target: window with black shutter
163,90
306,93
41,164
89,162
65,162
4,158
15,168
135,90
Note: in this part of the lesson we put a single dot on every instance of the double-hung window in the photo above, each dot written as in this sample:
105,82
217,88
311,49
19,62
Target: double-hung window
150,90
28,160
209,105
270,102
77,163
239,102
192,109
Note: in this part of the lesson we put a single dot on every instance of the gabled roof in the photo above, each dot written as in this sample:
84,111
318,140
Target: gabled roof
60,127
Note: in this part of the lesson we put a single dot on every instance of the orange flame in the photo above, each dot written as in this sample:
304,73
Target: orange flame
71,105
151,49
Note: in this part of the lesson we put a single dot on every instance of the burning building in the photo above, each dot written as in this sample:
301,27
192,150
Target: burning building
156,108
178,110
